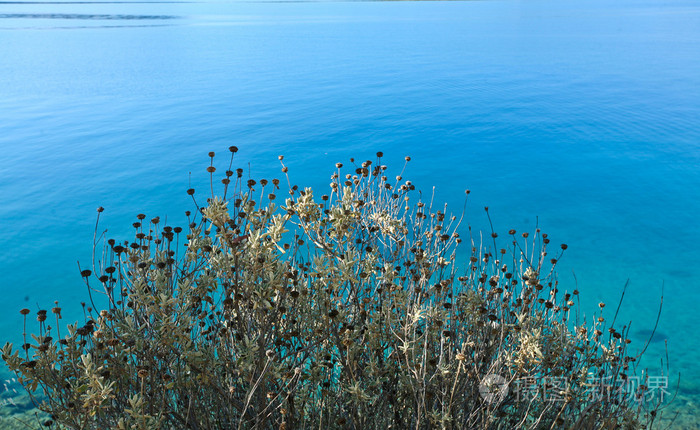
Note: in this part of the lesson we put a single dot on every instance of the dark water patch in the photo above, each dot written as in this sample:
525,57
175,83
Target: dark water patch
645,334
81,27
679,273
85,16
689,390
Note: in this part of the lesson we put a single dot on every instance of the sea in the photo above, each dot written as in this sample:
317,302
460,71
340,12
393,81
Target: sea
578,117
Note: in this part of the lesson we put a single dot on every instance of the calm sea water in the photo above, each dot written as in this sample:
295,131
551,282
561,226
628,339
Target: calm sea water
579,116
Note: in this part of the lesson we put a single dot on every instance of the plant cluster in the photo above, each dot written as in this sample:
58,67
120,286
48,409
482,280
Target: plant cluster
345,310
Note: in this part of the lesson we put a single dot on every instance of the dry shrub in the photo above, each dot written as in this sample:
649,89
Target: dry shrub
347,310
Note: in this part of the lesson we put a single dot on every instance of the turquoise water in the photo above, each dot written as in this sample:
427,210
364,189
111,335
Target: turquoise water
582,116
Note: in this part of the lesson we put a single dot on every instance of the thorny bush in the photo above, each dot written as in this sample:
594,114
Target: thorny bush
346,310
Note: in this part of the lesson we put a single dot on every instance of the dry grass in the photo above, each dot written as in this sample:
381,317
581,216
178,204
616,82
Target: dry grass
344,310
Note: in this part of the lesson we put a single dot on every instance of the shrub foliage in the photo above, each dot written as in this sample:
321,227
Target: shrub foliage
345,310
